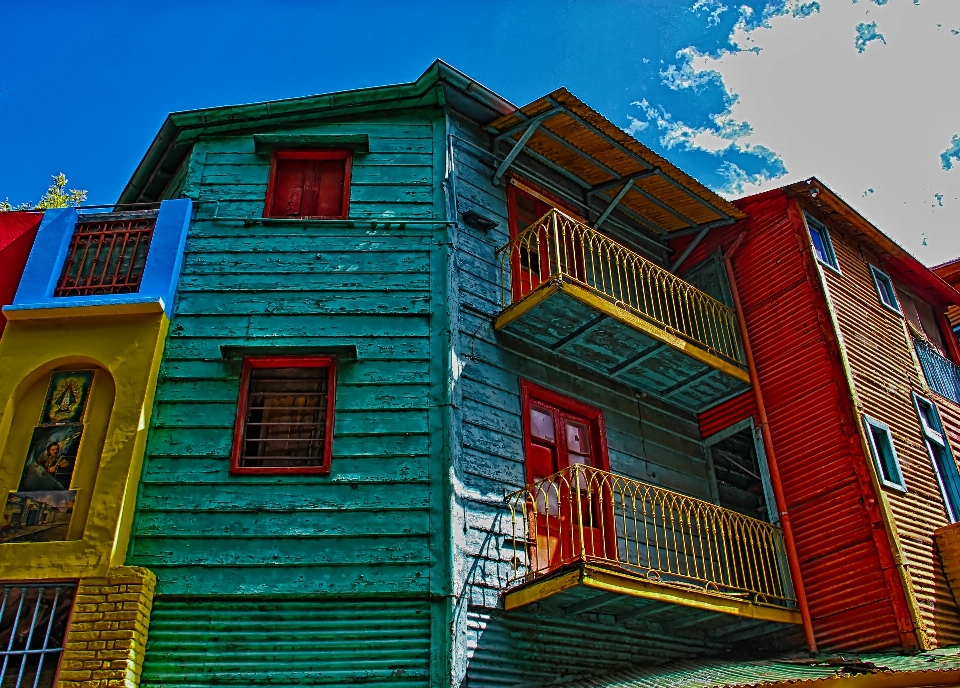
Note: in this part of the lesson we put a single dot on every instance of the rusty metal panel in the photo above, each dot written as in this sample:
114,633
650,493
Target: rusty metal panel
880,355
844,563
273,641
726,414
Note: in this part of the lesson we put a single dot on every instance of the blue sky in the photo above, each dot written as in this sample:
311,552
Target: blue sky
744,95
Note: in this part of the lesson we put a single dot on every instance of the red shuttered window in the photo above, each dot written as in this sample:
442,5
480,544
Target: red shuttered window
309,184
285,415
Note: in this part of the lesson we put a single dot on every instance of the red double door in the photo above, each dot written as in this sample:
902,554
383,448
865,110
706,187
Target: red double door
570,513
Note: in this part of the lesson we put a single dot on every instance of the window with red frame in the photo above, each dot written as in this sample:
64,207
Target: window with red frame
285,415
559,432
309,184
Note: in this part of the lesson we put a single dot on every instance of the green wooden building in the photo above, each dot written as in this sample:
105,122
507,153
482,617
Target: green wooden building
434,408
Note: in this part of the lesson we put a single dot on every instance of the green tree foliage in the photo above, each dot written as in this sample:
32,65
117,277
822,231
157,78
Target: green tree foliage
57,196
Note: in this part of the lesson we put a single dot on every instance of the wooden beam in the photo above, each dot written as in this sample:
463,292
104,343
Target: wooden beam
515,151
636,176
525,121
637,359
613,204
592,603
689,249
579,332
693,379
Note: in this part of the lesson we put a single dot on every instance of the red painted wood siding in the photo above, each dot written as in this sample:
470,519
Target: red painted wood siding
853,590
17,232
728,413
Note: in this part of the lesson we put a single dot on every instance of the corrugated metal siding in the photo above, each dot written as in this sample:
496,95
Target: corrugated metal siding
252,642
819,455
881,360
726,414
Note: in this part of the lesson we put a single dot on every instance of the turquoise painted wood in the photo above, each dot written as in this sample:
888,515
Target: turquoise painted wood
410,529
239,557
287,641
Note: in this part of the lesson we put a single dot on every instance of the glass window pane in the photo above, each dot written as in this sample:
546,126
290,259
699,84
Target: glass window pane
886,458
818,245
578,438
541,424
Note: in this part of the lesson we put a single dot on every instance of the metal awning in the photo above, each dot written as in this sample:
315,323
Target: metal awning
571,138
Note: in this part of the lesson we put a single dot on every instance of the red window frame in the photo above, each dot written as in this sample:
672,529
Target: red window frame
345,155
251,363
533,393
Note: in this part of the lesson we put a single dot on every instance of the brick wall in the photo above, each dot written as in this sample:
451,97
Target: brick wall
108,630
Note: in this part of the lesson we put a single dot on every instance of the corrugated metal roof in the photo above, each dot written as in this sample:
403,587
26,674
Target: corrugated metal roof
936,667
580,140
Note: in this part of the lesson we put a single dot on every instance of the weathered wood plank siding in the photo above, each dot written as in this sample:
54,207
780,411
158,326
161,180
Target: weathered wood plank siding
378,524
885,372
648,440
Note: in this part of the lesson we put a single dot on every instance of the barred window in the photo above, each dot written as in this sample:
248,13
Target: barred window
33,625
285,415
106,257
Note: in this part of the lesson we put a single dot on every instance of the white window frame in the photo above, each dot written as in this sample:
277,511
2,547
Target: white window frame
938,437
879,275
821,229
869,422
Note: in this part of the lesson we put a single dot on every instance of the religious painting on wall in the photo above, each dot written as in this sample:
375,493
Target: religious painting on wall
37,516
67,397
51,458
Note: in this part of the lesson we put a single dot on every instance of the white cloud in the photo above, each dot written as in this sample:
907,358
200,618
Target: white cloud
884,119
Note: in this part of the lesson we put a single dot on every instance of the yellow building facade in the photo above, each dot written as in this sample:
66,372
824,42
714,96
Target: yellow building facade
79,360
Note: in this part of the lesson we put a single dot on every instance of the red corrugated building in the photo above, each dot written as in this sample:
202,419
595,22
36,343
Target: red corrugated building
856,389
17,232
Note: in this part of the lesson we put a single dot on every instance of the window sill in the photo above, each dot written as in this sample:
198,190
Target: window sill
72,306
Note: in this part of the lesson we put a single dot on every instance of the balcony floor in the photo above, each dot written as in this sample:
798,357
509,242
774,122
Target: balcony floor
588,620
585,587
570,320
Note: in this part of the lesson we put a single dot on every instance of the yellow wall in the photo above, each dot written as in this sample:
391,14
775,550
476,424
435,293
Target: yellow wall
124,347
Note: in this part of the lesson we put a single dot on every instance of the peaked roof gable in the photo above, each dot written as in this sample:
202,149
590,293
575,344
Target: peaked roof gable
439,85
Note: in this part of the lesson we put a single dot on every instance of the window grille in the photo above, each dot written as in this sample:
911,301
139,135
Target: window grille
106,257
285,418
33,625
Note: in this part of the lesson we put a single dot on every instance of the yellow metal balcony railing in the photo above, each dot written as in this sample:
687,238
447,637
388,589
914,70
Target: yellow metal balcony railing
558,247
583,514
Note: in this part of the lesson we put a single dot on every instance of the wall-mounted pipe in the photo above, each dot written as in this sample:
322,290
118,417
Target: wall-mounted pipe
792,558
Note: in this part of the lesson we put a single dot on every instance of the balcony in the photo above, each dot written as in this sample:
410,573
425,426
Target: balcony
574,291
586,539
943,375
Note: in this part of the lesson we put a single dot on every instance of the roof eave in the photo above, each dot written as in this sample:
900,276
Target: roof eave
225,118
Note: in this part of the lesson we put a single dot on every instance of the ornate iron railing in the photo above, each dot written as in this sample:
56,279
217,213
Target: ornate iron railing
943,375
585,514
559,247
106,256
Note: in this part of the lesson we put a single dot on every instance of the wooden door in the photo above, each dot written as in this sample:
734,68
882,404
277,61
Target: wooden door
530,261
570,513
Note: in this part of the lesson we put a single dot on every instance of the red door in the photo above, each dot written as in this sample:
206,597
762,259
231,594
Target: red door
530,261
570,512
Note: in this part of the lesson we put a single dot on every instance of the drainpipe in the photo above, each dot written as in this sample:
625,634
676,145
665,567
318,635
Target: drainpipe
792,559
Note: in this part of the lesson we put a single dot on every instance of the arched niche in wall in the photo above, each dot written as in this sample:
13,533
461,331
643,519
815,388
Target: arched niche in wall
51,456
